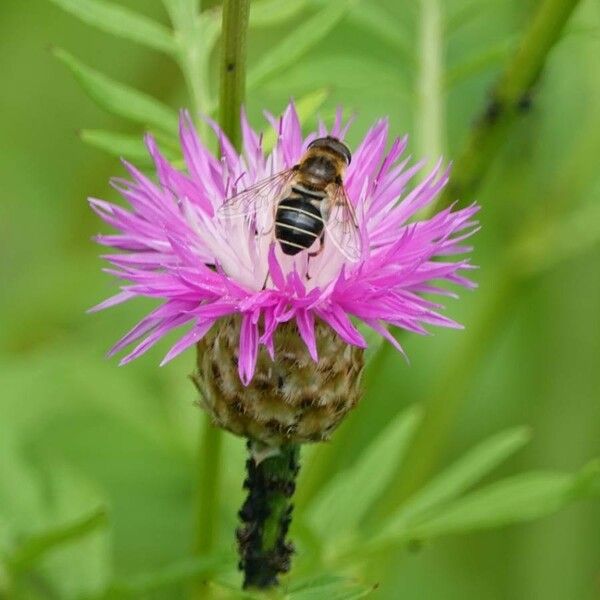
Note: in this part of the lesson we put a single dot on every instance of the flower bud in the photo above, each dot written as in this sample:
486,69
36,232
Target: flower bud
291,398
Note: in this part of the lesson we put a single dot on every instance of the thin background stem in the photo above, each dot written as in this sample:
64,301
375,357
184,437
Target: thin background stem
509,97
431,109
208,487
233,67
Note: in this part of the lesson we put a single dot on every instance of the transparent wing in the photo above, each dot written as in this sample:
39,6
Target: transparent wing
341,223
265,192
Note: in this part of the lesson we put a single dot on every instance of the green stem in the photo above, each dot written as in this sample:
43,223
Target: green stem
509,97
430,85
208,487
266,516
209,477
233,66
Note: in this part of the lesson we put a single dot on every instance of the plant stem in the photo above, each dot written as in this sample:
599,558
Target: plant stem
509,97
266,516
209,478
430,88
233,66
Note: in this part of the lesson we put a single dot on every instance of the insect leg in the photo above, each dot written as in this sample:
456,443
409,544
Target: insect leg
264,287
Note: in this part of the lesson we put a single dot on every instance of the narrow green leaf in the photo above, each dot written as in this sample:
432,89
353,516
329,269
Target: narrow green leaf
307,107
117,144
228,590
197,35
123,145
169,145
374,18
266,13
490,57
172,574
310,103
560,238
315,581
305,36
520,498
122,22
467,13
459,477
83,566
347,590
37,545
118,98
182,11
361,79
340,507
22,505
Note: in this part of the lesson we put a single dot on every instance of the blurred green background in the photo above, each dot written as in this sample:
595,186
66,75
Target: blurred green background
77,431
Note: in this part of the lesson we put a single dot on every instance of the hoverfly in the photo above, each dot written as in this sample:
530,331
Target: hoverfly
308,200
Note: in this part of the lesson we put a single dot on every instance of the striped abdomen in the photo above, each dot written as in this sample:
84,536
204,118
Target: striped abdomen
298,222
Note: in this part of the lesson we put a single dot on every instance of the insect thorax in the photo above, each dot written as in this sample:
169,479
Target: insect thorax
318,170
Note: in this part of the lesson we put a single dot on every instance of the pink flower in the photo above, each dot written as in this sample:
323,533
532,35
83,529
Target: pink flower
202,266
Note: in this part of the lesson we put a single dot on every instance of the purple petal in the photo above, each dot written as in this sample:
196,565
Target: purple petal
384,332
338,320
190,338
275,269
167,326
306,326
248,352
112,301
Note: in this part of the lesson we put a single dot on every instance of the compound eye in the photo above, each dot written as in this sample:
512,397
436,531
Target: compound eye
344,151
333,144
316,142
347,154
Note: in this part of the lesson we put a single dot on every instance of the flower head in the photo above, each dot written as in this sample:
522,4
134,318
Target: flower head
203,267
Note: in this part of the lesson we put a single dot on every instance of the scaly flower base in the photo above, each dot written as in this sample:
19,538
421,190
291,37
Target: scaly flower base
291,398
